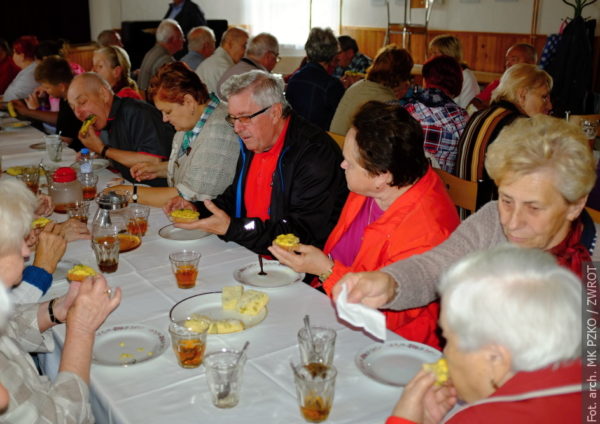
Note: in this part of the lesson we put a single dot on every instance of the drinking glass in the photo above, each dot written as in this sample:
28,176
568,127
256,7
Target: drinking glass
224,369
184,264
54,147
315,387
189,346
323,343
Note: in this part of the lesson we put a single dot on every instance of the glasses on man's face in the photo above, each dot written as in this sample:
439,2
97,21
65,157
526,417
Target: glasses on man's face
277,57
244,119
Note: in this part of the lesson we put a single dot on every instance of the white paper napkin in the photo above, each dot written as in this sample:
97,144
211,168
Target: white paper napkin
360,315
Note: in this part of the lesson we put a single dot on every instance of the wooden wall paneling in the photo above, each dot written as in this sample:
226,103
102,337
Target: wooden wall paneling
483,51
82,55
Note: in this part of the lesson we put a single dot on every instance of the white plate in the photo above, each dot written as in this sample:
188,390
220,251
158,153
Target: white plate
278,275
170,232
125,345
15,125
209,304
97,164
395,363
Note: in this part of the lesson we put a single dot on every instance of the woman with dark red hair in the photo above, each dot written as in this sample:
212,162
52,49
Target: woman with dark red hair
205,149
24,57
442,120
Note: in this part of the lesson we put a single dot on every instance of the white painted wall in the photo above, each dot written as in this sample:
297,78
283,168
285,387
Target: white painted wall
512,16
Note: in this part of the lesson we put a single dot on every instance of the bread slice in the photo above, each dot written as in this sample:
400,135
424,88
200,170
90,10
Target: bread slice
230,297
252,302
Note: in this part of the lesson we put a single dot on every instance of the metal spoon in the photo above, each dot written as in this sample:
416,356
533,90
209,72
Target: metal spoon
225,392
309,332
260,262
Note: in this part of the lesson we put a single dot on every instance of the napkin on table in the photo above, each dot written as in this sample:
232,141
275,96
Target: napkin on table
360,315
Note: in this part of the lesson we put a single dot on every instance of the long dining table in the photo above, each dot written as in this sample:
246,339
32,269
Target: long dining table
158,390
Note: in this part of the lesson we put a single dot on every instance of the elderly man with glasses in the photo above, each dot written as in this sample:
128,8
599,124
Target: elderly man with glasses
288,178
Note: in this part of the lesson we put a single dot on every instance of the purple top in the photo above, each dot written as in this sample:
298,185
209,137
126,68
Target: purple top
348,246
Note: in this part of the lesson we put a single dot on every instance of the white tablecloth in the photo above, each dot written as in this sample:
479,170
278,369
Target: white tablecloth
159,391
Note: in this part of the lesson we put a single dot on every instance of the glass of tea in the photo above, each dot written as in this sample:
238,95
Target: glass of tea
106,249
88,185
184,264
30,175
315,387
79,210
138,225
189,345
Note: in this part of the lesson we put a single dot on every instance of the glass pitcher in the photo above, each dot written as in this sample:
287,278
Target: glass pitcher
114,219
64,189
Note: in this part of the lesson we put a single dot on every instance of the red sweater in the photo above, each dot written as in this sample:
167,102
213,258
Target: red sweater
549,409
420,219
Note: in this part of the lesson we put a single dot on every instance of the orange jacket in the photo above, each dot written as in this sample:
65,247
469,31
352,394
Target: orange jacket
420,219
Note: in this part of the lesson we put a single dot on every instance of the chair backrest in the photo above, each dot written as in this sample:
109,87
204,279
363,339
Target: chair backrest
594,119
595,214
462,192
339,139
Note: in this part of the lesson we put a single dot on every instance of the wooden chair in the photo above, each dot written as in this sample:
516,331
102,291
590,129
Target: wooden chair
339,139
594,119
595,214
462,192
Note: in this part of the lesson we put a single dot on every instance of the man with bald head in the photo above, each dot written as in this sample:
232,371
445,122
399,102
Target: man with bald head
230,52
126,131
262,53
169,40
517,53
109,37
201,44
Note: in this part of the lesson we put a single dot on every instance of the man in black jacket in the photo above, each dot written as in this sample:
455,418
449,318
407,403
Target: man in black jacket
288,177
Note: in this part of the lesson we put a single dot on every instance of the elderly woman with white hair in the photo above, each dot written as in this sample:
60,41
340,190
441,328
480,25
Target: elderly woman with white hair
34,398
544,171
512,320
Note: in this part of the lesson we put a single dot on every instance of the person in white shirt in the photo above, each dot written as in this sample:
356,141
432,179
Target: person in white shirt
230,52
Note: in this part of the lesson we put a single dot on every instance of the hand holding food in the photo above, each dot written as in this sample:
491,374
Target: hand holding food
80,273
40,223
287,241
439,369
184,215
87,123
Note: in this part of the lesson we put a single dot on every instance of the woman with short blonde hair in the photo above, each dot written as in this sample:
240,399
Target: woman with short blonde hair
519,78
449,45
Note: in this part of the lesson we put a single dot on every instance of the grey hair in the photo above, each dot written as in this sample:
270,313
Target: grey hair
267,89
517,298
17,204
321,45
92,82
166,30
198,39
262,44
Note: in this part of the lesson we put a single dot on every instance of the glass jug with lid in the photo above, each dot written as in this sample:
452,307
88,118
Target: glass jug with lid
114,219
64,189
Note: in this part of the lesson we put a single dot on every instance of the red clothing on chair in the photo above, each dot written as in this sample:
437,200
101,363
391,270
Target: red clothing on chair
420,219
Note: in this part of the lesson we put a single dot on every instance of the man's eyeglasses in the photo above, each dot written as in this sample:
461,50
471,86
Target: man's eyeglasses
244,119
277,57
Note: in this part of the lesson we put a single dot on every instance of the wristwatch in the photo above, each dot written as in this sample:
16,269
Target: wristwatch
134,196
104,150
